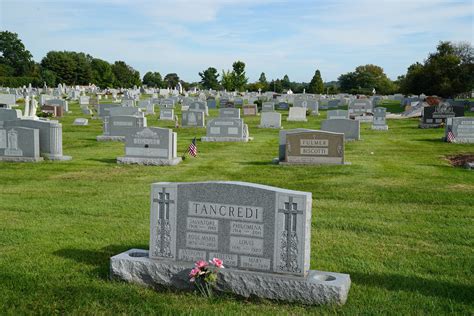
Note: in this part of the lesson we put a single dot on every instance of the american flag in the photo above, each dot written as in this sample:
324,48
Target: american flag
450,137
192,149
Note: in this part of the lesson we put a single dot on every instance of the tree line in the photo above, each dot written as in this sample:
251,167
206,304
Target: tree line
447,72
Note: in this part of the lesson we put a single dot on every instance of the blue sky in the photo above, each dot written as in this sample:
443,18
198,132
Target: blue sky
272,36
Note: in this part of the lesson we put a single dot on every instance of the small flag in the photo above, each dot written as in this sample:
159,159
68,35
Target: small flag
192,149
450,137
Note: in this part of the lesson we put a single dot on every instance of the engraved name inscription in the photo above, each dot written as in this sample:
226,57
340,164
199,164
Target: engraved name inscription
246,229
202,224
254,263
225,211
245,245
201,241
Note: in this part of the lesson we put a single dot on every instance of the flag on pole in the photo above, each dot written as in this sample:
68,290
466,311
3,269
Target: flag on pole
192,149
450,136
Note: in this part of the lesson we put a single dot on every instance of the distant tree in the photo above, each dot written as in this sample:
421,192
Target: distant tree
285,82
227,80
102,74
447,72
171,80
125,75
49,77
15,59
238,75
209,78
316,84
153,79
276,86
366,78
69,67
263,83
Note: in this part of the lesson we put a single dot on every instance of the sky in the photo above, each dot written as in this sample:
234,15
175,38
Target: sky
272,36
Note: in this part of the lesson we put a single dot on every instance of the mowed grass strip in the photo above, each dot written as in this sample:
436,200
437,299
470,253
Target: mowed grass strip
399,220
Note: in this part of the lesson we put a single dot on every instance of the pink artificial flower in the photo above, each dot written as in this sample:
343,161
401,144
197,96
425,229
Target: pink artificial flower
200,264
217,262
194,272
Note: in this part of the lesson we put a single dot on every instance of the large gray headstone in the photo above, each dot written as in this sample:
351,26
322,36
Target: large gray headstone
270,120
229,113
337,114
226,130
379,122
193,119
150,146
350,128
19,144
462,129
312,147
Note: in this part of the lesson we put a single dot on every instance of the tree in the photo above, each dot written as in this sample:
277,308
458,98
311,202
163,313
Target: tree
153,79
102,74
15,59
49,77
263,83
366,78
209,78
316,84
227,80
447,72
238,75
276,86
69,67
285,82
171,80
125,75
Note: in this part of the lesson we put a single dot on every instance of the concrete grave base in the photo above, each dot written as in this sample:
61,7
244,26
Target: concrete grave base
148,161
21,159
380,127
364,119
423,125
103,138
225,139
277,161
56,158
316,288
267,126
296,120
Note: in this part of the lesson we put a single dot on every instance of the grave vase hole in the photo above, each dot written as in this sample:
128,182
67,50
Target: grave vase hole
138,254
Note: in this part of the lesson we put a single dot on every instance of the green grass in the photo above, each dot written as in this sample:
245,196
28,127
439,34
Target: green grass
399,220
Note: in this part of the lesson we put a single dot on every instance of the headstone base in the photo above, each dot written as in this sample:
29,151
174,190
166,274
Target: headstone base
148,161
316,288
103,138
21,159
423,125
364,119
267,126
56,158
380,127
296,120
225,139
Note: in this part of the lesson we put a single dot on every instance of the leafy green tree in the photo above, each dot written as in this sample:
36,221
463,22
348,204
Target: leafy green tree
153,79
263,83
49,77
238,75
69,67
125,75
316,84
102,74
276,86
227,81
447,72
366,78
209,78
15,59
285,82
171,80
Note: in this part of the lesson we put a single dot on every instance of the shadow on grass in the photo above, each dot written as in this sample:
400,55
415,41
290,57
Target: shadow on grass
100,259
432,140
258,163
105,160
395,282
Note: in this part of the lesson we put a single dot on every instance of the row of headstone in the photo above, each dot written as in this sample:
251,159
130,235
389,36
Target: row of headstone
436,116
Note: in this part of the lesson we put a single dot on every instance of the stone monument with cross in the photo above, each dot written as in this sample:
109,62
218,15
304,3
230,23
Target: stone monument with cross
262,234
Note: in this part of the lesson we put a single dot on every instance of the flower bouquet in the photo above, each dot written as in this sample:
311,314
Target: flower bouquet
204,275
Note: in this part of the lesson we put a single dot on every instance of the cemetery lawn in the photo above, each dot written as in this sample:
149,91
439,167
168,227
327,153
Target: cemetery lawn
399,220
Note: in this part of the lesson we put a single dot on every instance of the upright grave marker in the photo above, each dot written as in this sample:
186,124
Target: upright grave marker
262,233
